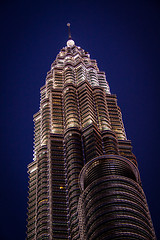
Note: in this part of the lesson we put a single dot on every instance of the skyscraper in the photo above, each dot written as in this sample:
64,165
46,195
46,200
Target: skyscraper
84,181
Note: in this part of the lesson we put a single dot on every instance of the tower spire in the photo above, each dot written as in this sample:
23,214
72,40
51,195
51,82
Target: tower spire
69,31
70,42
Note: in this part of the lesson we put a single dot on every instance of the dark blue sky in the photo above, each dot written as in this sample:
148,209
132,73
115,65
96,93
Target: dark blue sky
124,38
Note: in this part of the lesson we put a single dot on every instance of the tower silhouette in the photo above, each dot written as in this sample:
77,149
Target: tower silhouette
84,181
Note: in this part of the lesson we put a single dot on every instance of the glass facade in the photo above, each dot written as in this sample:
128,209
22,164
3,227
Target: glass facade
84,181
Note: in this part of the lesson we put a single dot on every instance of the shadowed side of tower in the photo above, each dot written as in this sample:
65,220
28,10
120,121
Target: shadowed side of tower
112,204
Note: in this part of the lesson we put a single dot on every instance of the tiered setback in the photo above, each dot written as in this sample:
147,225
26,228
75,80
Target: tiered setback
113,202
84,181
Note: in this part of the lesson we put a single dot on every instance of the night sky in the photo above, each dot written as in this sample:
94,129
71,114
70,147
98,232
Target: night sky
124,38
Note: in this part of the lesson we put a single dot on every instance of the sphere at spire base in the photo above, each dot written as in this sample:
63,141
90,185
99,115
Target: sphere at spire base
70,43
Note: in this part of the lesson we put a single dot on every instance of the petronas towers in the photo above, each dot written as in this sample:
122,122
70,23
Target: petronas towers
84,181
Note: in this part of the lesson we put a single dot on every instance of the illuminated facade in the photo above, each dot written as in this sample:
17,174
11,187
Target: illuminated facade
84,182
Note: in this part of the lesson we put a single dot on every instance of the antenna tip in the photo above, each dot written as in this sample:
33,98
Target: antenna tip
68,24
